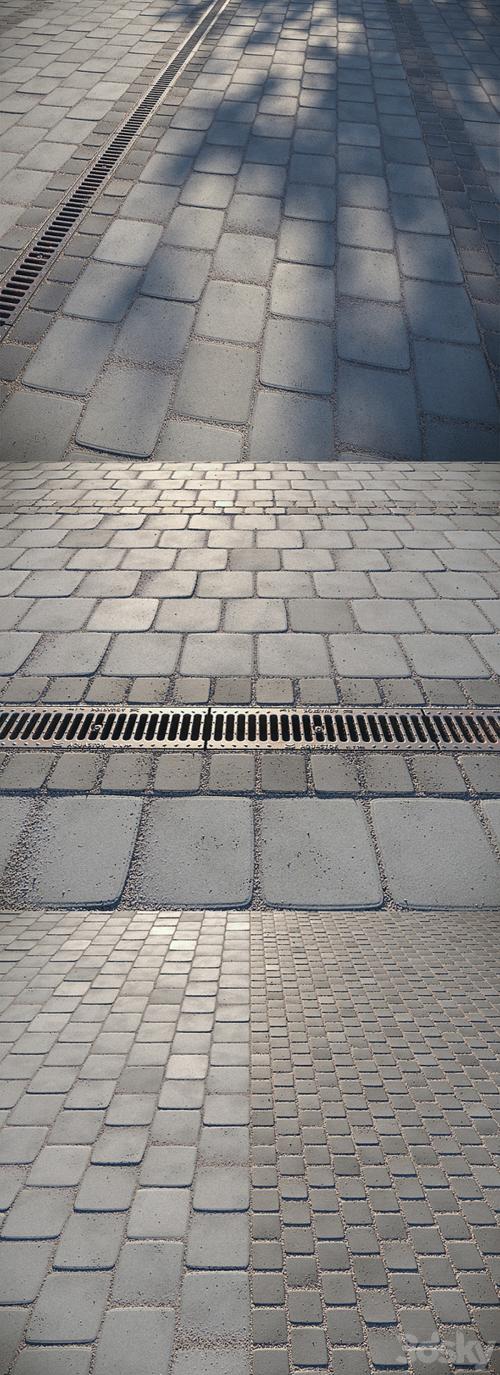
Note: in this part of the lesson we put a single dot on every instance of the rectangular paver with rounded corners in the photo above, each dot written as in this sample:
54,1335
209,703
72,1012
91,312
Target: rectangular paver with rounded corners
317,854
80,850
435,853
198,852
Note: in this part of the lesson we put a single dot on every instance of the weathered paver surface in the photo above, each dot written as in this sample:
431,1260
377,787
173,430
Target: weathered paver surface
296,260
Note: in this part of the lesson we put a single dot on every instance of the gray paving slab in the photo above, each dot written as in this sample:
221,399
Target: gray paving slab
318,854
125,412
81,849
199,852
435,853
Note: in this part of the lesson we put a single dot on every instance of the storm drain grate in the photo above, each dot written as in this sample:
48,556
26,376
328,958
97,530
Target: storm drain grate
38,257
193,728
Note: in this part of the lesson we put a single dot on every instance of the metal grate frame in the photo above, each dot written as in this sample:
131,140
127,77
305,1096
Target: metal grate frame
221,729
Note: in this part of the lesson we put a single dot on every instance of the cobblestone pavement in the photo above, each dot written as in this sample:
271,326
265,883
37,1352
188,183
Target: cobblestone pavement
306,584
247,1123
209,1167
295,261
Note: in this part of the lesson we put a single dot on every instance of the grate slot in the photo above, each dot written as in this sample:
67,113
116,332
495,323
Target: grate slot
33,262
188,728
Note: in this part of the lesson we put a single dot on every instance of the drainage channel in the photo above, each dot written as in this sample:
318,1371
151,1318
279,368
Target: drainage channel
198,729
35,261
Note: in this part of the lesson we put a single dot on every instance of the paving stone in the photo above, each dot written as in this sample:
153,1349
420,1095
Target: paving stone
443,656
131,243
386,775
216,382
318,854
198,852
368,655
70,1308
298,356
125,412
148,1272
89,1242
218,653
150,201
368,273
152,335
283,773
158,1214
176,274
166,169
185,440
50,1360
23,1267
135,1335
215,1306
220,1243
70,357
465,390
429,257
377,411
34,426
307,241
81,850
244,258
370,332
435,853
75,773
295,654
302,291
178,773
254,214
234,775
131,652
440,312
232,311
104,292
290,427
37,1215
194,227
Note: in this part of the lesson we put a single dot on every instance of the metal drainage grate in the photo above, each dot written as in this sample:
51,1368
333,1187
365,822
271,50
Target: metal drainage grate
191,728
35,261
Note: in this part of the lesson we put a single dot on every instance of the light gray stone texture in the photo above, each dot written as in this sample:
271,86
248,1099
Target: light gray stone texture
104,292
318,854
435,853
153,334
125,412
198,852
70,357
81,850
216,382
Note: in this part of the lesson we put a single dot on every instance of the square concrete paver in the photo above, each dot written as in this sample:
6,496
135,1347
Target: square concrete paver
70,357
155,334
197,852
37,428
80,850
318,854
216,382
125,412
435,853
